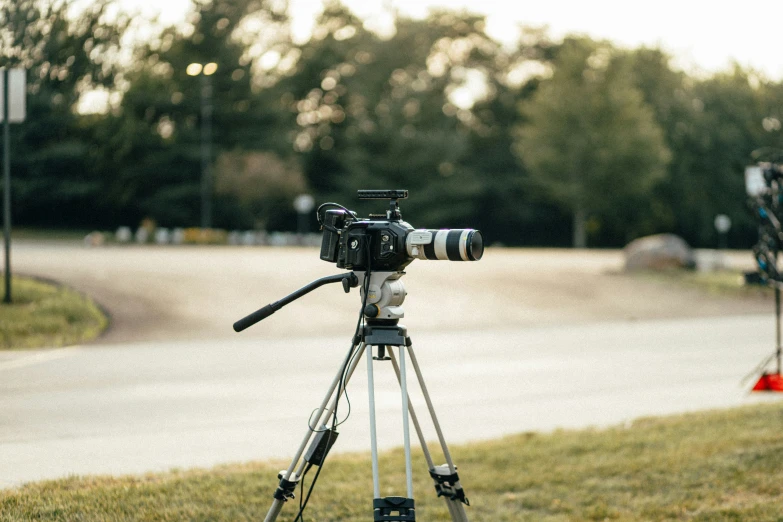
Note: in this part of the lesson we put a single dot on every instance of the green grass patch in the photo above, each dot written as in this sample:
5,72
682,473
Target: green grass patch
714,466
47,315
44,234
719,283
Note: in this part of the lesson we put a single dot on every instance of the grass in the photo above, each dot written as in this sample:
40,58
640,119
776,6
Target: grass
44,234
47,315
713,466
729,283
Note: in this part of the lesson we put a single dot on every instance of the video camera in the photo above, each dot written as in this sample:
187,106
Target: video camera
384,242
764,185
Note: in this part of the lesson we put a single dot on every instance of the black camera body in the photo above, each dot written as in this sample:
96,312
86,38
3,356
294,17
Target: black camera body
378,243
387,243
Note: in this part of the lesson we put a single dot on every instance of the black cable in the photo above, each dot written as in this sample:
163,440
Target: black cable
301,485
303,504
359,323
330,204
352,354
302,499
341,386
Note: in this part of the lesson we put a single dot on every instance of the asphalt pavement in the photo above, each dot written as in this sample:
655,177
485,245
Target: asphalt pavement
117,409
523,340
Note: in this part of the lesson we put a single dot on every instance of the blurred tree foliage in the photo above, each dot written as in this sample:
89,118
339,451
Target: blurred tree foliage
153,137
56,182
481,135
590,141
385,113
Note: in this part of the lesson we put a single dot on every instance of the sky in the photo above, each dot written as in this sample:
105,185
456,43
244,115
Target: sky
703,36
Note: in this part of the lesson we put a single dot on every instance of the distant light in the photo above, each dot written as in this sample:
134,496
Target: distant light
269,60
210,68
194,69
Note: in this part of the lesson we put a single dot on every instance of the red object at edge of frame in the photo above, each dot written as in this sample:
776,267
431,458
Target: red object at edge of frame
769,382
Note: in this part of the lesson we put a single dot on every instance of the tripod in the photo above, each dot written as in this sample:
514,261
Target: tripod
385,293
766,204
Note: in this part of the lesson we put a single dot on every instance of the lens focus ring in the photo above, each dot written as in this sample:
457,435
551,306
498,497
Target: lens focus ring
446,245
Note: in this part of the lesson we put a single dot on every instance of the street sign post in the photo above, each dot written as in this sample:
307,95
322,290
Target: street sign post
12,110
722,225
303,203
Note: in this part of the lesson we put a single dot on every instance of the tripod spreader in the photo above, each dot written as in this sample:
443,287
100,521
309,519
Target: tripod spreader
348,280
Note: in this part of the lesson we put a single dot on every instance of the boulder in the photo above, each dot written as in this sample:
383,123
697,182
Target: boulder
94,239
659,252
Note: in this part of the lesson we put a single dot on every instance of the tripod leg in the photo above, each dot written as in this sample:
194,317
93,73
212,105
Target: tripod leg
415,420
406,431
288,478
376,485
328,413
447,481
456,514
390,508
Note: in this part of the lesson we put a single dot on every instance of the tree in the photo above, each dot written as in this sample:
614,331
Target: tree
711,125
374,112
589,141
260,182
65,54
153,139
729,114
509,209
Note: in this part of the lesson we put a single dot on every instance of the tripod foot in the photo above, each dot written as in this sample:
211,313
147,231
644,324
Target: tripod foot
394,509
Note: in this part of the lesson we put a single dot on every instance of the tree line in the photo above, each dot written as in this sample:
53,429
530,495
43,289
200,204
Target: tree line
567,142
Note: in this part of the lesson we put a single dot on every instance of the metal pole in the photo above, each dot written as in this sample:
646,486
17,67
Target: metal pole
376,484
775,202
206,151
414,418
778,348
406,432
6,187
426,394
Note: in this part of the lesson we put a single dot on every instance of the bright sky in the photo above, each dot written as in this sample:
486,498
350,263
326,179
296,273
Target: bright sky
703,35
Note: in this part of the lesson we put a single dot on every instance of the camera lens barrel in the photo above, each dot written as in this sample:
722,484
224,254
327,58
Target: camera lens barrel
461,244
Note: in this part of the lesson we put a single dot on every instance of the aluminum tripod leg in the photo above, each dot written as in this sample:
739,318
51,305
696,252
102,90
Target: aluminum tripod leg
376,483
455,505
322,413
405,424
422,441
445,477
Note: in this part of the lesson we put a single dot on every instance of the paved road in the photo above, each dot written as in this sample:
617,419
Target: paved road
523,340
189,293
157,405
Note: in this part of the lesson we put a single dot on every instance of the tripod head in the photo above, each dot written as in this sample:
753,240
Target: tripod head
385,295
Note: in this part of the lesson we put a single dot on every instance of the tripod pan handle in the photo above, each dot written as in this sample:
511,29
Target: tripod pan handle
253,318
263,313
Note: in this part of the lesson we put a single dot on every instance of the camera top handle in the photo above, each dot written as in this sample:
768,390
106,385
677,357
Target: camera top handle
348,280
392,195
383,194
